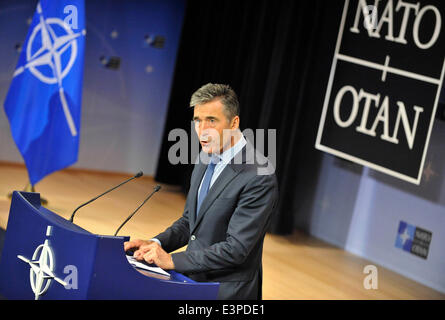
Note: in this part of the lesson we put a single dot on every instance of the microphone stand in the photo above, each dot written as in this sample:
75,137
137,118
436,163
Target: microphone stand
74,212
156,189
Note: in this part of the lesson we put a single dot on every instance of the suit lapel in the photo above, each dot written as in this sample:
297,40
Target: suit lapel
246,155
220,183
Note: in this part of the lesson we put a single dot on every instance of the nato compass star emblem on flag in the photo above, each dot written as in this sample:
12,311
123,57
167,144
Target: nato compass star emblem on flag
43,103
50,39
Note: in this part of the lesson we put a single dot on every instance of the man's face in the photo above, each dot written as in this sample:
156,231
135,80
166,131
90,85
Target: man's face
210,123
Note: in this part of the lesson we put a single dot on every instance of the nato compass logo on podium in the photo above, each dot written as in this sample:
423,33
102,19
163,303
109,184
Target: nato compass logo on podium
51,52
41,272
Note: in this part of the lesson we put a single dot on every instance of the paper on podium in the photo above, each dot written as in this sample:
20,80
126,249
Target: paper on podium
145,266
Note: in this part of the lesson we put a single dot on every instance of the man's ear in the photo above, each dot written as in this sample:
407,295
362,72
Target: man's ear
235,123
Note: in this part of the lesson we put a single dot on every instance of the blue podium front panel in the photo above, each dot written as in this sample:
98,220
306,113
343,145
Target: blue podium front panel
41,250
48,257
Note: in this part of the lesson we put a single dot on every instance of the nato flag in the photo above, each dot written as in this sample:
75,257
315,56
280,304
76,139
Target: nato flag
43,103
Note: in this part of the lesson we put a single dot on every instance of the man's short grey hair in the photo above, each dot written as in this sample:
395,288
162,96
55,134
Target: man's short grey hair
212,91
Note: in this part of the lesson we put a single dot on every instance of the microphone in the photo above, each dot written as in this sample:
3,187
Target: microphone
137,175
155,189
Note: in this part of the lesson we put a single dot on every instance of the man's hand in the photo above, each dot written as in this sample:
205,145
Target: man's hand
153,253
135,244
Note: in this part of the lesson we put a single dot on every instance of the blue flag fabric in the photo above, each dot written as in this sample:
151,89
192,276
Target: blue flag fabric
43,103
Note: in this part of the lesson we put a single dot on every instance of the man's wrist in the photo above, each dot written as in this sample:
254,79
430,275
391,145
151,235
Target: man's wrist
157,241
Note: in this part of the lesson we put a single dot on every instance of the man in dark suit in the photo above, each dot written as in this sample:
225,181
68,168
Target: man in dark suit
233,193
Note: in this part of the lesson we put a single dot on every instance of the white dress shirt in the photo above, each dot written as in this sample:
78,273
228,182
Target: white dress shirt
225,158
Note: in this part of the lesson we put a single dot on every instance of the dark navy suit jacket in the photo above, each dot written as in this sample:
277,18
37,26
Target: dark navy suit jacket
225,242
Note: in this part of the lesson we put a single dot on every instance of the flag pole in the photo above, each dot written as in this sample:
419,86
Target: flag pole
30,188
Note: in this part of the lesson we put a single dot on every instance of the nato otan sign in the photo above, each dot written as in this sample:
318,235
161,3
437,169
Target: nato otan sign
384,85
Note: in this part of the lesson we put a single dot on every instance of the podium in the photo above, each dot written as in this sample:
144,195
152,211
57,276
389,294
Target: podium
47,257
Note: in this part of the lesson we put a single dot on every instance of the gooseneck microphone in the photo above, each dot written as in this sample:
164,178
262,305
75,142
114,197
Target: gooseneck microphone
155,189
137,175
